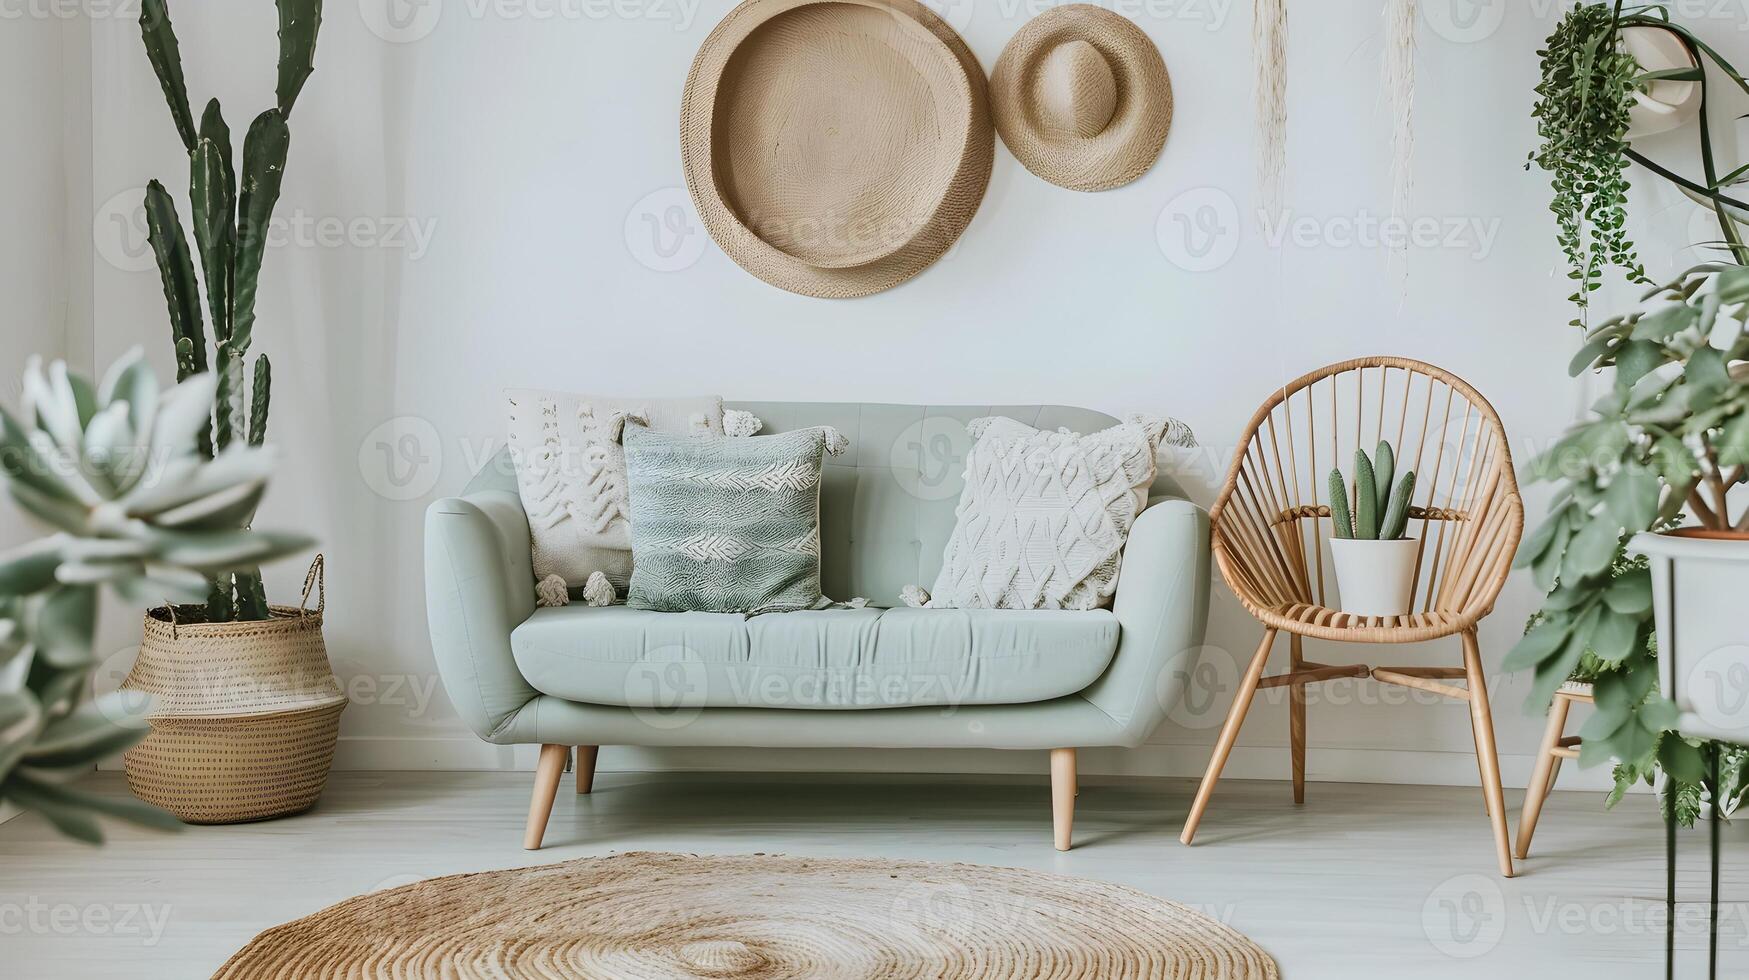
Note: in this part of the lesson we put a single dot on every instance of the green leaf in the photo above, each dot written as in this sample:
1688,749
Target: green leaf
1632,498
299,23
30,568
1666,323
1613,635
1681,760
215,230
264,154
1630,593
1706,371
176,273
166,59
88,735
1733,442
1591,550
1636,359
1541,642
66,624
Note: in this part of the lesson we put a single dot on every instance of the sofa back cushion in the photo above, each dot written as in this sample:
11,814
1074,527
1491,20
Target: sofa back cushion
887,504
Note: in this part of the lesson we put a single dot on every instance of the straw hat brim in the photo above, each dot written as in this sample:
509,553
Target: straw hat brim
835,148
1128,145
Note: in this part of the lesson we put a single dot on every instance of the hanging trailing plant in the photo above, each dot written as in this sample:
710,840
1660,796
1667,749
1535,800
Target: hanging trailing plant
1588,85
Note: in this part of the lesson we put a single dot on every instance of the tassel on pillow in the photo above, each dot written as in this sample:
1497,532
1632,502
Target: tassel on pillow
552,592
598,591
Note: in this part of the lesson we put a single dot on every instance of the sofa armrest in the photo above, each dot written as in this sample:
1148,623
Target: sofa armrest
479,585
1162,607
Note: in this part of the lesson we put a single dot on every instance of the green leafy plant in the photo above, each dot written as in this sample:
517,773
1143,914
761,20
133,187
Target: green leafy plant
116,471
230,231
1381,511
1659,450
1588,85
1667,444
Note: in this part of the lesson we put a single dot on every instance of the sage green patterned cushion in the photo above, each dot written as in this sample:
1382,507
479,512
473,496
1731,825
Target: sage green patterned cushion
724,524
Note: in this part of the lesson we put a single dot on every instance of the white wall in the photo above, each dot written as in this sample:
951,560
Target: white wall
526,138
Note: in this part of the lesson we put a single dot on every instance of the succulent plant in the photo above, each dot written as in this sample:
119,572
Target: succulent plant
1381,509
116,470
230,232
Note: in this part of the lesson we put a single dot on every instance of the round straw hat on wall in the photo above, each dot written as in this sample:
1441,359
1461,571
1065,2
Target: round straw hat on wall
835,148
1082,98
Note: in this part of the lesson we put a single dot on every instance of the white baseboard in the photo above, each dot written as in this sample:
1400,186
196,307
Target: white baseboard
1335,764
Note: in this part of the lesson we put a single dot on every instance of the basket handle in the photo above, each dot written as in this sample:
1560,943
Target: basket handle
317,579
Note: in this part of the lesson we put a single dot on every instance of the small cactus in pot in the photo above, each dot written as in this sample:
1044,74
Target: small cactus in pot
1375,561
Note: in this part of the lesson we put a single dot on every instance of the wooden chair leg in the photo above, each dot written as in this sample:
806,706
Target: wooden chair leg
586,768
1543,780
1482,720
1063,796
1229,735
546,787
1297,726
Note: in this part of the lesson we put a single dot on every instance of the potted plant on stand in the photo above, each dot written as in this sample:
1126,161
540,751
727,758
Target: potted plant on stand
1375,562
1663,448
248,709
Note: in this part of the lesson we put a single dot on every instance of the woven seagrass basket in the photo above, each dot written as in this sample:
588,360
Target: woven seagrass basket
245,716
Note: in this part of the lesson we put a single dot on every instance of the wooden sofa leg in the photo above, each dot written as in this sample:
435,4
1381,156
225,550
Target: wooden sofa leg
546,786
1063,796
586,768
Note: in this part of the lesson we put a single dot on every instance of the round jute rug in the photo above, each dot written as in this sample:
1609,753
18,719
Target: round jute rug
647,915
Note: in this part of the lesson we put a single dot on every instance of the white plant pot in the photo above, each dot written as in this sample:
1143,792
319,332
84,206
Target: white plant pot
1374,578
1699,587
1667,103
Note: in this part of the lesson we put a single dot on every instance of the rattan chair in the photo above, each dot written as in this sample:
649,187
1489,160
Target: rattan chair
1271,519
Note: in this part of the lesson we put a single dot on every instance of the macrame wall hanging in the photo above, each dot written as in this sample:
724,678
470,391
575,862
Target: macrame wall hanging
1269,59
1399,85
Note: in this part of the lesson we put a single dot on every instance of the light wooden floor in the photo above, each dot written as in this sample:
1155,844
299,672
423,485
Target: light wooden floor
1363,881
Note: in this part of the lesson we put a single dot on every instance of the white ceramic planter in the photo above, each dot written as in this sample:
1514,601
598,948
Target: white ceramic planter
1667,103
1374,578
1700,588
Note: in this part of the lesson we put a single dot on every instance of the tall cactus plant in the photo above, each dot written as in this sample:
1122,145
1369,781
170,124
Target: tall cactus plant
231,212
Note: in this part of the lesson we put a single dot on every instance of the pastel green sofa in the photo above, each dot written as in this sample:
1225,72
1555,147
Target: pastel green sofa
876,677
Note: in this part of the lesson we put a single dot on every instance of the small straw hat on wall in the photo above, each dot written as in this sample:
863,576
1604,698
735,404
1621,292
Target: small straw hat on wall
1082,98
835,149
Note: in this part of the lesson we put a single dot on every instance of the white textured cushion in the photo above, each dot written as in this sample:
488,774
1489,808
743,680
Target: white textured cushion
1044,515
571,474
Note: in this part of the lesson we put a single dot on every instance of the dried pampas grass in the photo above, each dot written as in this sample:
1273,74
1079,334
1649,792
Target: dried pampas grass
1269,60
1399,86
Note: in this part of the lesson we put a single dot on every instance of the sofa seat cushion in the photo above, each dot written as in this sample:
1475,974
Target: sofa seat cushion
832,658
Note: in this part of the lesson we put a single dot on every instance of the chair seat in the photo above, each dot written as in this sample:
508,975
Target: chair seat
1308,619
819,659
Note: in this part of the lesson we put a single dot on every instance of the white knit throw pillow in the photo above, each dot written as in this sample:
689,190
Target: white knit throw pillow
571,474
1044,515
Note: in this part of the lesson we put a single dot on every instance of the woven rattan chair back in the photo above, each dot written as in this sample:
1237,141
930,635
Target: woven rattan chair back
1272,518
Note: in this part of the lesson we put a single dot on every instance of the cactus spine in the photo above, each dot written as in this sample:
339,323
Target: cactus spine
1381,509
231,212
